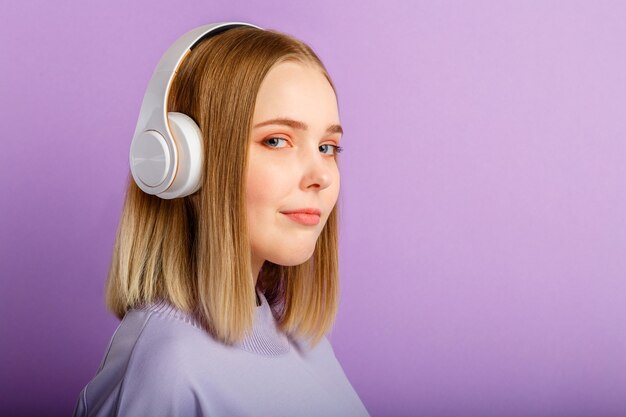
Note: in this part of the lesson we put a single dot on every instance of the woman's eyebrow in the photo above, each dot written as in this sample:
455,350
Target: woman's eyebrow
296,124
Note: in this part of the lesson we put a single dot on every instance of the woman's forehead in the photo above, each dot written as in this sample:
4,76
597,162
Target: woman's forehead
296,91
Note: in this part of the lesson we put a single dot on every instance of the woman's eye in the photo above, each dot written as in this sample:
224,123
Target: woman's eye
273,141
336,148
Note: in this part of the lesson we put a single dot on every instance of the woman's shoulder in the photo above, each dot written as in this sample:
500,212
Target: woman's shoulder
149,363
164,333
155,334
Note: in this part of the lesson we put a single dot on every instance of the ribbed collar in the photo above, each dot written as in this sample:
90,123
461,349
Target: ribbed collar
266,338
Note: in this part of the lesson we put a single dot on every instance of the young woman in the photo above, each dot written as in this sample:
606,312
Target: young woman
260,224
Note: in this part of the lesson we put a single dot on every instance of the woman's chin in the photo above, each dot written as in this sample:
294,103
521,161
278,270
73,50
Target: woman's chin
292,259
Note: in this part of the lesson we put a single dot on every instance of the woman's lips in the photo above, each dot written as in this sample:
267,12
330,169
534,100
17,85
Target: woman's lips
303,218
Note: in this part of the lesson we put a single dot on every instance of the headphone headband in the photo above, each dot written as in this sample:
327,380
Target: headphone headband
154,157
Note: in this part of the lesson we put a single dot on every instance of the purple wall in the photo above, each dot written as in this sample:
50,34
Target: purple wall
483,248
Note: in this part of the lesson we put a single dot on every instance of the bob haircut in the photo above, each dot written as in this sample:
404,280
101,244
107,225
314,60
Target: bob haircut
194,252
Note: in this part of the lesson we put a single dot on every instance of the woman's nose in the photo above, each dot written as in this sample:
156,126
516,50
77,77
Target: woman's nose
318,171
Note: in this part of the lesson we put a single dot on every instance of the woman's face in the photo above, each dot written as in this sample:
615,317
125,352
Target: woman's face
291,165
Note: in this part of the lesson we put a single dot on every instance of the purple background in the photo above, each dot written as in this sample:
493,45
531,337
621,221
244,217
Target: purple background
483,232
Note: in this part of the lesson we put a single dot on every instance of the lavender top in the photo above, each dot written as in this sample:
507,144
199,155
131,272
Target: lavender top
160,362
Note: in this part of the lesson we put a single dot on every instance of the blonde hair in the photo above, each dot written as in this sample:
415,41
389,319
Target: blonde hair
194,251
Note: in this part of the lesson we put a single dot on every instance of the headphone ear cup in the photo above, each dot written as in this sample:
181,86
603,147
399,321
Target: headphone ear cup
190,156
151,161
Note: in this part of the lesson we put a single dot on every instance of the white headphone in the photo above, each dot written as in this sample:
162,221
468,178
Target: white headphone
166,154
